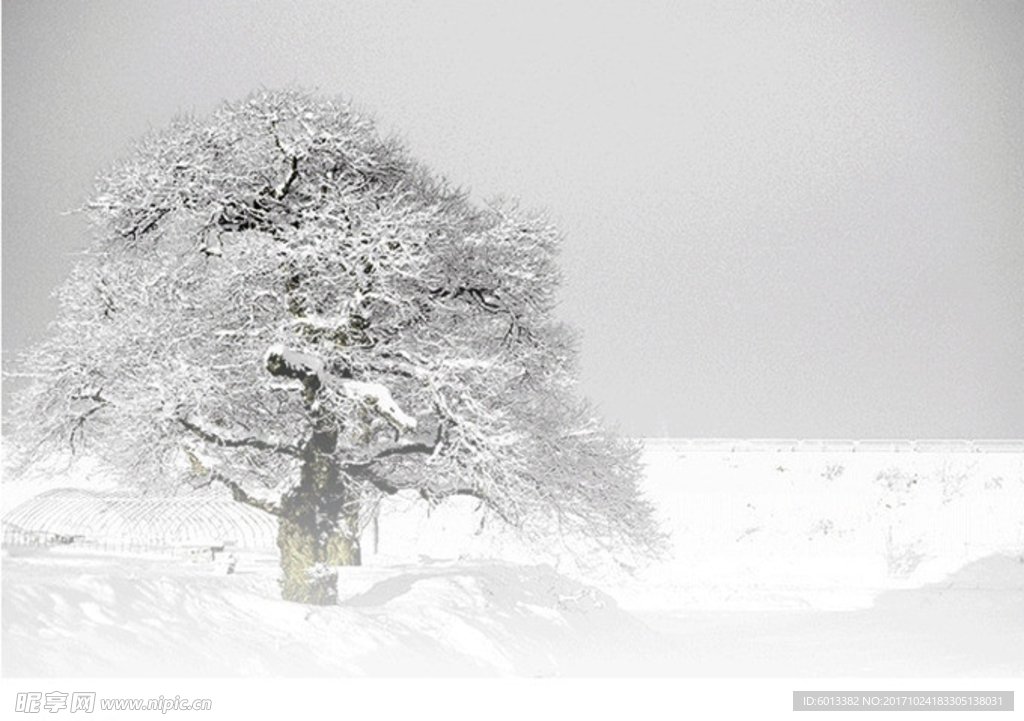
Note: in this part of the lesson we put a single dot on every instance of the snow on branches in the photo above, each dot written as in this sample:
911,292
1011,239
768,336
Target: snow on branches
276,285
309,369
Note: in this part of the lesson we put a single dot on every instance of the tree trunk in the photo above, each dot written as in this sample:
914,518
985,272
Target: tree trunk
318,527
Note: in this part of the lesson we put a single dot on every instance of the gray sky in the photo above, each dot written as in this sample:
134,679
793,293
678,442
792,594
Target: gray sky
780,219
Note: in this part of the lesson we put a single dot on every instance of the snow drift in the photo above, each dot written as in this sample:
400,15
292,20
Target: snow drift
68,614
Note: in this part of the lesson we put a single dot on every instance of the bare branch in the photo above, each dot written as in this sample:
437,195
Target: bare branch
408,449
405,450
435,497
485,298
239,494
365,473
78,429
293,161
260,444
279,193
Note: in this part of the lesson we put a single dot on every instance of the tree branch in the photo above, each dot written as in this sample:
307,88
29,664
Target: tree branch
438,496
483,297
365,473
377,397
293,160
279,193
409,449
310,370
239,494
78,424
260,444
405,450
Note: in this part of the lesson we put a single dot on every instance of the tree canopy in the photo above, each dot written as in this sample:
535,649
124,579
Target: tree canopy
278,273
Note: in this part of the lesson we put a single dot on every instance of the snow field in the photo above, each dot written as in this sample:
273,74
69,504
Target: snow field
798,564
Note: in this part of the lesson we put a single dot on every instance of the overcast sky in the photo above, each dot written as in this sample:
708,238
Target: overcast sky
780,219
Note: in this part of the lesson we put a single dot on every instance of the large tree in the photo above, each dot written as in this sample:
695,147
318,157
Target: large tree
279,301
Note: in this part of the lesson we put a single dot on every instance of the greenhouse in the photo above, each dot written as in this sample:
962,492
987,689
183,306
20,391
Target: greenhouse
121,521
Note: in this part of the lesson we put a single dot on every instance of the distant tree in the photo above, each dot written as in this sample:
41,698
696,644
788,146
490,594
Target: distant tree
281,302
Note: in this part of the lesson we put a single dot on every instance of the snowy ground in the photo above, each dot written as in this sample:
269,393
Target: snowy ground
786,564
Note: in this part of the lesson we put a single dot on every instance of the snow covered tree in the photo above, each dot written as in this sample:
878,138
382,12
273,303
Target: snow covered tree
279,301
